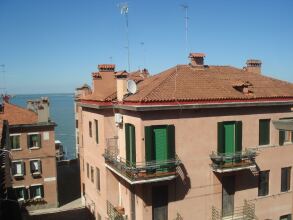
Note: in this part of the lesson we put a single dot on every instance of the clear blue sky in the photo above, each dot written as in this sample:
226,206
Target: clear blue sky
54,45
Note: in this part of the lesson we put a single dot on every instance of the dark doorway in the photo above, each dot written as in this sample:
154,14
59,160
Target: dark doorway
228,183
160,202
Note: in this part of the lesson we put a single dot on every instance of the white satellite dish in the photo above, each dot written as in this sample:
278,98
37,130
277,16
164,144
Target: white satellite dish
131,86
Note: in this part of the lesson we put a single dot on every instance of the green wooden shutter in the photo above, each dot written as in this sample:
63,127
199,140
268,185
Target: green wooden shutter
148,133
40,140
264,131
221,139
281,137
42,191
171,141
238,135
132,144
127,144
160,140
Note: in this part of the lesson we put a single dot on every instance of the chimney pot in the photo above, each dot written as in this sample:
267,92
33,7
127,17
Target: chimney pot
253,66
106,67
197,59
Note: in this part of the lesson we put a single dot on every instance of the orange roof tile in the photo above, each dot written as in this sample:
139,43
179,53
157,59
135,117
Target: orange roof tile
186,83
17,115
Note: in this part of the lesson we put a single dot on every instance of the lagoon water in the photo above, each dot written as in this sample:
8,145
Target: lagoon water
62,113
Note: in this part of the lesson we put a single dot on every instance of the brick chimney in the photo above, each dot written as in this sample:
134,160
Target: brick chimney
196,59
253,66
41,107
121,84
104,80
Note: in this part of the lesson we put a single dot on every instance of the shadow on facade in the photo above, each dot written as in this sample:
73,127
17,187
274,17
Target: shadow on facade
68,177
244,179
73,214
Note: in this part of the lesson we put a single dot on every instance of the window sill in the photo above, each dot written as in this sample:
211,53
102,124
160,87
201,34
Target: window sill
18,175
278,194
36,173
17,149
34,148
21,200
37,197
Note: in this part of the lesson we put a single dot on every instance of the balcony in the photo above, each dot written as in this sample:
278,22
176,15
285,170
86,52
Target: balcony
115,213
246,212
139,172
229,162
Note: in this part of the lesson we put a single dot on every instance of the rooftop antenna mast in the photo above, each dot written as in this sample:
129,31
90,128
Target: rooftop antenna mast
143,50
3,86
124,11
185,7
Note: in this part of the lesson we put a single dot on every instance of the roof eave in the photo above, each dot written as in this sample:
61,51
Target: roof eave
173,106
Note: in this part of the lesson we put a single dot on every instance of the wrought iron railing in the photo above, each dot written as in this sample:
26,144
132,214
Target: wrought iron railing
140,170
246,212
115,213
233,160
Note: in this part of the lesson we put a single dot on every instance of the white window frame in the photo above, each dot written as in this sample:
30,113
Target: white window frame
39,168
35,133
40,196
12,135
22,165
23,198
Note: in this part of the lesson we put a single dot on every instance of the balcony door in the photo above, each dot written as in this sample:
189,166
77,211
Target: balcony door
160,143
228,192
130,144
229,129
160,202
229,137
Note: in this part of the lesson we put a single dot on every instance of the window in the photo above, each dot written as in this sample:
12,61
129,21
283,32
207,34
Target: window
87,170
90,129
285,217
264,131
97,131
15,142
92,174
34,140
21,193
229,137
36,167
285,179
285,137
76,123
263,183
36,192
18,168
98,179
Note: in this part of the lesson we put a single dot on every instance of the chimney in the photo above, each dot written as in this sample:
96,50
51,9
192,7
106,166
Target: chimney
253,66
121,84
196,59
106,67
41,107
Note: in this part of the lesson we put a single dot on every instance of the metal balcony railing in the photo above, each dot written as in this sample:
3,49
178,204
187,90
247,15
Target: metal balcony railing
230,161
115,213
245,212
140,170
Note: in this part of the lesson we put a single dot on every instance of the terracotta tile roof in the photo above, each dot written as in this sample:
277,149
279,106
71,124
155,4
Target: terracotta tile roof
106,84
186,83
18,115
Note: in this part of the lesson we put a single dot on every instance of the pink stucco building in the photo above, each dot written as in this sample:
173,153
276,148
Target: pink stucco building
196,141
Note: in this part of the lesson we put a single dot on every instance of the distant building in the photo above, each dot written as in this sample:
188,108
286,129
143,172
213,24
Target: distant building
32,146
196,141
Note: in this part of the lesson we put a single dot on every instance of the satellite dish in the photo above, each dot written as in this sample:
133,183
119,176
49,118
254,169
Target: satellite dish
131,86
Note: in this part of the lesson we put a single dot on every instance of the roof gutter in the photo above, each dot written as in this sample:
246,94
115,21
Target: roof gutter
189,106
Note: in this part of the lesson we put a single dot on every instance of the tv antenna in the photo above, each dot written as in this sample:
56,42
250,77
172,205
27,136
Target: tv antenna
124,11
3,86
185,7
143,51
